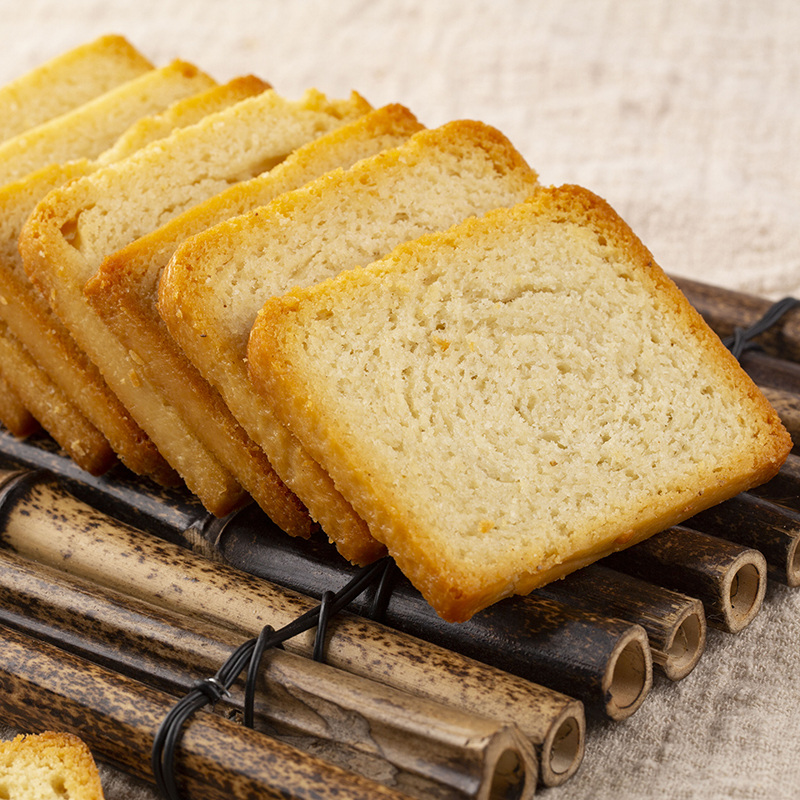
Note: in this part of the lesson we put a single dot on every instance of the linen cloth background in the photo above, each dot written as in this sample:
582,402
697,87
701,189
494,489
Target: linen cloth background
684,115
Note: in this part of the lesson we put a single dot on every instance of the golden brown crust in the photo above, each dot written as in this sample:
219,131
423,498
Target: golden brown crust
67,81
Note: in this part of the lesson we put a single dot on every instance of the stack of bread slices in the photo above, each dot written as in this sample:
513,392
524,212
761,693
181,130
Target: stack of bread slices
390,333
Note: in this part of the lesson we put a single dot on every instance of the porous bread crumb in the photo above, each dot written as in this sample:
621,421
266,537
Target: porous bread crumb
48,766
581,404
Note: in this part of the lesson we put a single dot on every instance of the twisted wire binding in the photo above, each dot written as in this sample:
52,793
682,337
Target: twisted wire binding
249,655
742,338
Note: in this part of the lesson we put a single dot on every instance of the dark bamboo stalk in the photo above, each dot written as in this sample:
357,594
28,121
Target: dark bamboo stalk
45,688
418,747
753,521
784,488
41,522
728,578
725,309
675,623
606,663
787,404
603,660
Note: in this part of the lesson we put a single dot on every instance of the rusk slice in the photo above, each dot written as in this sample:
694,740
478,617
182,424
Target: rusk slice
124,291
217,281
51,350
514,398
14,414
72,230
93,127
66,82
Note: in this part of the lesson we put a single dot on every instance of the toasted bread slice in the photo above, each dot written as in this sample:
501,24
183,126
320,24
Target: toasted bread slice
514,398
61,84
14,414
93,127
74,228
67,81
52,409
124,291
216,282
68,142
51,350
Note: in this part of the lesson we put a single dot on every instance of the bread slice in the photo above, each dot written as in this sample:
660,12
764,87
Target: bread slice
181,114
67,81
14,414
124,292
514,398
74,228
56,87
93,127
56,367
215,284
52,409
48,766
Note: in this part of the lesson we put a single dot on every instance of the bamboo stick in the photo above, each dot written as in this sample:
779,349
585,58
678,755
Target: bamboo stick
45,688
784,488
42,523
423,749
753,521
675,623
787,404
725,309
728,578
604,661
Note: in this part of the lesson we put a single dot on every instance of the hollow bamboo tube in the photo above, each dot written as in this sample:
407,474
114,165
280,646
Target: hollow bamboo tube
728,578
45,688
41,522
422,749
675,623
752,521
726,309
604,661
617,679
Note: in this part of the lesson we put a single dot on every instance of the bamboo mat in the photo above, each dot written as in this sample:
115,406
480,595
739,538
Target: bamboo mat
685,115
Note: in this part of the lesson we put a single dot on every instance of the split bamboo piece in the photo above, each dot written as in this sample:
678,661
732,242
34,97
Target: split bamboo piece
41,522
752,521
728,578
423,749
604,661
45,688
675,623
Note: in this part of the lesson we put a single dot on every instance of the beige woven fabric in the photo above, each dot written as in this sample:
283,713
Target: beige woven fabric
685,115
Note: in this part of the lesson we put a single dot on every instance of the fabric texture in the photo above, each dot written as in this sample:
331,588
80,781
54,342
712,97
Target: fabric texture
684,115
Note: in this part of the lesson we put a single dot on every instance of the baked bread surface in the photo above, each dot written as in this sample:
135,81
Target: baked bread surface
93,127
58,382
124,292
67,81
48,766
217,281
513,399
73,228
